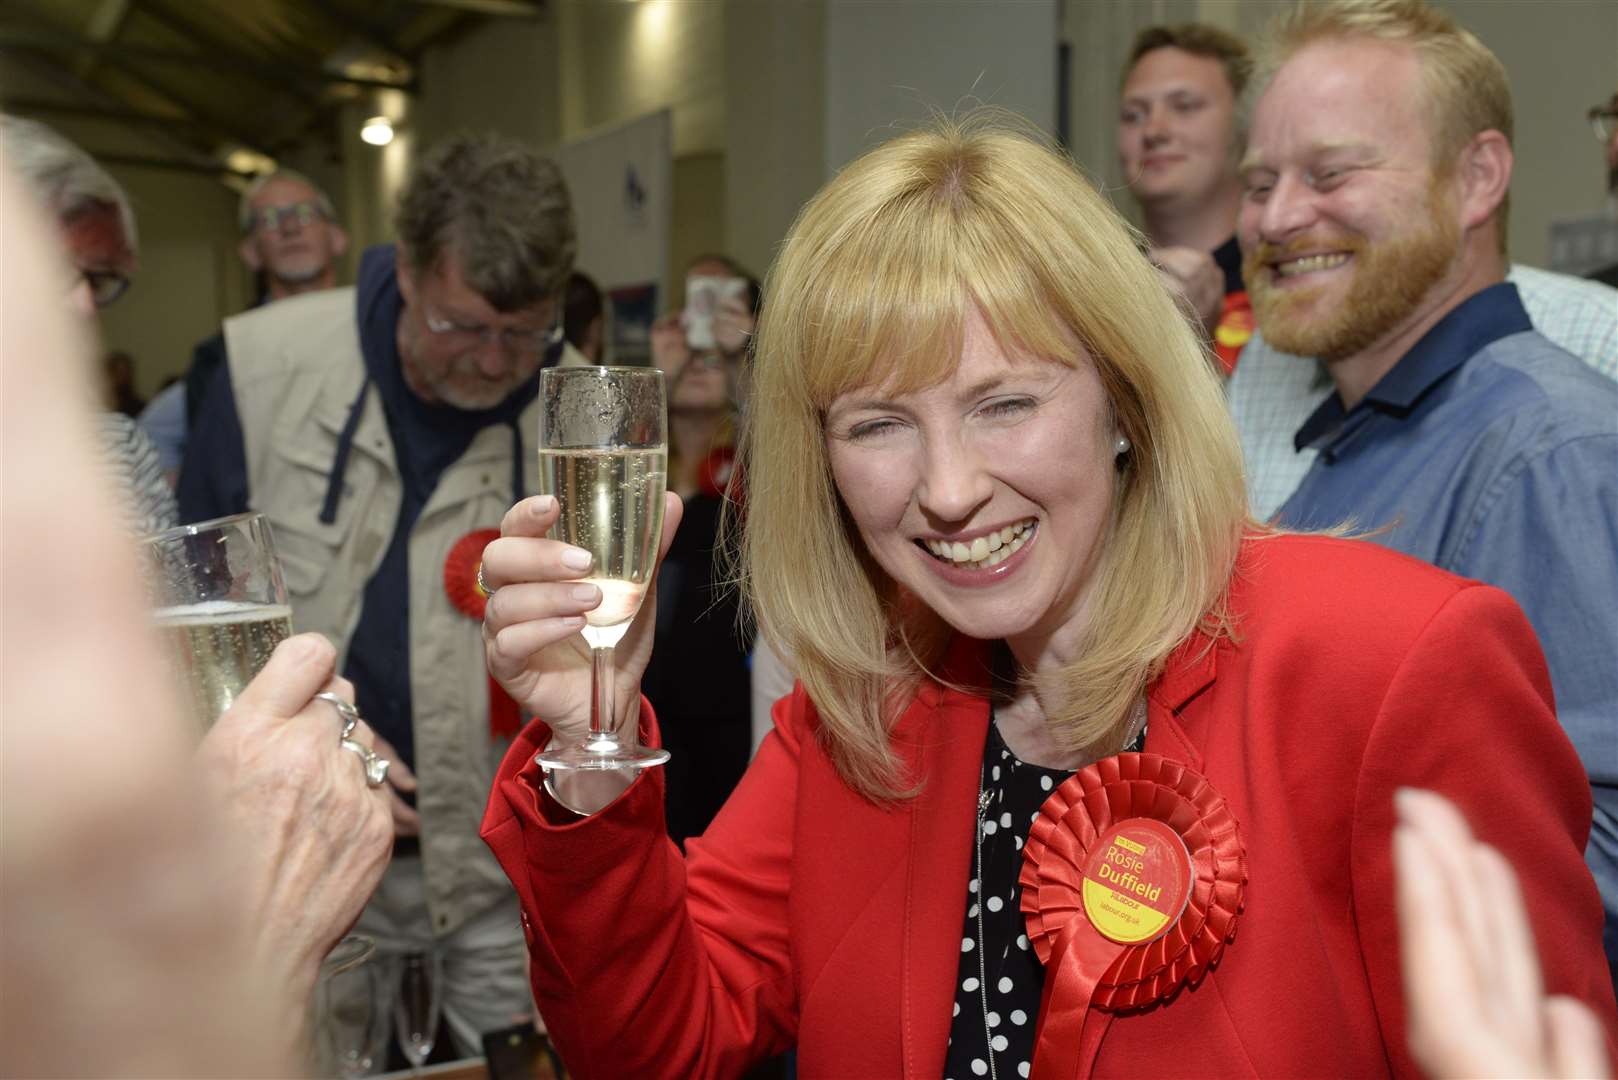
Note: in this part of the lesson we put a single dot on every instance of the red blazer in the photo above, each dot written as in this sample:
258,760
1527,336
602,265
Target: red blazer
807,916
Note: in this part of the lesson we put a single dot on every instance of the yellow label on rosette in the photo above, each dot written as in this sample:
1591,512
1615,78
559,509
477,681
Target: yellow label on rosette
1137,880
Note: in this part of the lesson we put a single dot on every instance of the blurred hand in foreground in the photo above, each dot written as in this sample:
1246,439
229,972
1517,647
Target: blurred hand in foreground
310,838
1477,1006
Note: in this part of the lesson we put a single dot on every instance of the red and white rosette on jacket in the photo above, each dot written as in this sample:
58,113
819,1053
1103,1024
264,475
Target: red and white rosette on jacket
467,596
1132,879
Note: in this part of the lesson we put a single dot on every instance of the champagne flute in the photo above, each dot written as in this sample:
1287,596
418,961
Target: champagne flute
603,453
416,1004
351,1010
221,605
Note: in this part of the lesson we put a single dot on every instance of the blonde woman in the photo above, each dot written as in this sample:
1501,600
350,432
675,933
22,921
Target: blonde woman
995,514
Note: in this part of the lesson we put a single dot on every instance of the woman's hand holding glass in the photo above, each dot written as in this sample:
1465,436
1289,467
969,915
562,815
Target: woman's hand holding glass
531,635
309,836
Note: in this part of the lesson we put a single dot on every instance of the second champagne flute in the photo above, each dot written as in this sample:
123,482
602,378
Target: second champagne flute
603,454
418,984
221,603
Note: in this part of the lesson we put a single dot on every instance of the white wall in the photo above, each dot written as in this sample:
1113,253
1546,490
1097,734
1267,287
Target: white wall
1562,56
190,277
620,61
891,66
698,216
775,121
503,76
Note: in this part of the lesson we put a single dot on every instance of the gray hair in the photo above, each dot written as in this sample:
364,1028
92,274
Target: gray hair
62,176
501,207
247,217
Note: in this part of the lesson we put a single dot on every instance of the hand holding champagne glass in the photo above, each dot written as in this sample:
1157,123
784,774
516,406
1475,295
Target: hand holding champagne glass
221,605
604,457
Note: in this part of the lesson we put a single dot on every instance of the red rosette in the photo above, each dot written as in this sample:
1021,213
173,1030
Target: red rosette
1078,812
461,585
461,572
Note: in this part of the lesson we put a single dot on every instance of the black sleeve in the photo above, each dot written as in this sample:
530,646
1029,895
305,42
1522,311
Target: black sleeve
213,473
207,359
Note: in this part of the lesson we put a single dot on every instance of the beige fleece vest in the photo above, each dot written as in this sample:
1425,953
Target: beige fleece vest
296,369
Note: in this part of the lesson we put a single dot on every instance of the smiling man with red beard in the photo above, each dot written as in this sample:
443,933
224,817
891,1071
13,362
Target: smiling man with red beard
1373,230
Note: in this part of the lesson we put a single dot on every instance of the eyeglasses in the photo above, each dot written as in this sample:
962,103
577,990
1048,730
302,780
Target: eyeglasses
273,218
519,340
105,285
1603,119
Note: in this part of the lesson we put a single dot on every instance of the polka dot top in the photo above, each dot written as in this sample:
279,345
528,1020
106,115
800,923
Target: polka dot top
998,984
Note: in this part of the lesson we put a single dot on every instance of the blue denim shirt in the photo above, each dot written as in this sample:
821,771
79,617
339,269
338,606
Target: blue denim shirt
1493,454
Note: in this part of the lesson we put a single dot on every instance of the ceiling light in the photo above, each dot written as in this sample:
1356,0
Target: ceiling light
241,160
378,131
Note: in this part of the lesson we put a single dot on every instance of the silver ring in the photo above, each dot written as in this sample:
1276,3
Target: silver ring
345,710
376,768
482,588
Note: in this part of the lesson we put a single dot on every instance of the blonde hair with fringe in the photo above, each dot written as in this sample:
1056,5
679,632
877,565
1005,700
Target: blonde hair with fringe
1464,84
872,286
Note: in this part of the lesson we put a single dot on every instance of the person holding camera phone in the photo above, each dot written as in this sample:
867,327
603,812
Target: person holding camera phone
701,350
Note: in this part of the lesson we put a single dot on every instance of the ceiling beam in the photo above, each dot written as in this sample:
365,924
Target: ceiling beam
138,117
515,9
225,129
105,22
53,41
432,27
366,31
202,144
283,80
219,129
141,161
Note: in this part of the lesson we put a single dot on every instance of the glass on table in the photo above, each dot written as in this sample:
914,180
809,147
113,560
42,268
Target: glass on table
351,1011
417,984
219,600
603,453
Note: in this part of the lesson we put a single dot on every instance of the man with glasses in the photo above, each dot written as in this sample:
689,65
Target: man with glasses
97,229
385,429
290,234
291,241
1604,119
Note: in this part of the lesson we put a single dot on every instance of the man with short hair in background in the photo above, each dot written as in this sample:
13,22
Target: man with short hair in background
291,240
96,227
1373,229
385,429
1177,146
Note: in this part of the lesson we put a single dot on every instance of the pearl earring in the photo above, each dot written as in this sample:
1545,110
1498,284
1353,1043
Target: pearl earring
1121,447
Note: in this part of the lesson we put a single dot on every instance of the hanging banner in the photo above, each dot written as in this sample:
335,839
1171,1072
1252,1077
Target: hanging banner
621,180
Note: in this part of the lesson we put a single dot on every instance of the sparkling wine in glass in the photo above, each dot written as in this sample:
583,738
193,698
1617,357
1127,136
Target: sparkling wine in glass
416,1004
220,605
603,453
